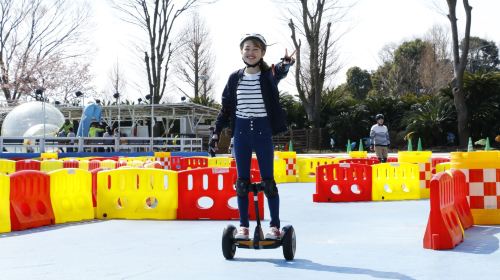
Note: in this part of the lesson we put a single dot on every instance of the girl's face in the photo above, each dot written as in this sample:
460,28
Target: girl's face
380,121
251,52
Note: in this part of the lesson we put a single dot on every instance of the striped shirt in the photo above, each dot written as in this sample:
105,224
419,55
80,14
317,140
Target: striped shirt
249,97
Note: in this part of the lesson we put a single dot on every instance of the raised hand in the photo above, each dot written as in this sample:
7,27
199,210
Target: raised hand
289,59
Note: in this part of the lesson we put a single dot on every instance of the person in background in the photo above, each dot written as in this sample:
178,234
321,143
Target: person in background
71,133
379,135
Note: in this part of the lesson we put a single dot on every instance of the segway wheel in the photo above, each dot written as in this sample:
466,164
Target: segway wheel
288,242
228,245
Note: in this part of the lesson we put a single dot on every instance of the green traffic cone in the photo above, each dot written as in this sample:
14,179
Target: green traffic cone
470,148
361,148
487,146
410,146
348,145
290,146
419,145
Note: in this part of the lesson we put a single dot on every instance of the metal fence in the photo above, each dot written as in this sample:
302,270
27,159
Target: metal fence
98,144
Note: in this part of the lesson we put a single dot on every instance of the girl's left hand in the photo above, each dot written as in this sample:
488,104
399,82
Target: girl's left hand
288,59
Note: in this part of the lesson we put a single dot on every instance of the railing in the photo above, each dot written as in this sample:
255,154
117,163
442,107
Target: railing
98,144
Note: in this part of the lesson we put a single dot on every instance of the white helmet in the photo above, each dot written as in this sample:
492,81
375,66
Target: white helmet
254,36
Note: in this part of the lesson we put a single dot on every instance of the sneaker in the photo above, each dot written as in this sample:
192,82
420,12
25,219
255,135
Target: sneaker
273,233
242,233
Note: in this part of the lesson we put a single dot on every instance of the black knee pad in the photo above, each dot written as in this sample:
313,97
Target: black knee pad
270,189
242,187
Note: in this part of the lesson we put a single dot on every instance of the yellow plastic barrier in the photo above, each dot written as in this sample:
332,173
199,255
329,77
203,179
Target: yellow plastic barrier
7,166
481,169
162,154
395,181
307,168
108,163
279,170
424,161
442,167
358,154
219,161
137,193
51,165
290,159
4,203
84,164
45,156
71,195
135,163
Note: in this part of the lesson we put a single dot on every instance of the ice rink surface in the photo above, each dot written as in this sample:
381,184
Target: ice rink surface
372,240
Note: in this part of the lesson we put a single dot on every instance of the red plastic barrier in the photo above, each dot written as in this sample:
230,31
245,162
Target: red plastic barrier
443,227
94,164
30,204
193,162
254,165
461,204
27,164
344,182
366,161
175,163
436,161
216,184
71,163
121,163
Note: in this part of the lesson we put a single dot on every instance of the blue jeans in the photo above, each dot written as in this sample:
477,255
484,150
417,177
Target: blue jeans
255,135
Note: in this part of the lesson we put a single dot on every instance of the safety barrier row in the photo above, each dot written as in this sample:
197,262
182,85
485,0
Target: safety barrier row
347,182
450,214
31,198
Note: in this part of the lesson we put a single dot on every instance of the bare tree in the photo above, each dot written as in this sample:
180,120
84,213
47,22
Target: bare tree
195,67
34,36
459,65
435,68
318,59
117,79
157,19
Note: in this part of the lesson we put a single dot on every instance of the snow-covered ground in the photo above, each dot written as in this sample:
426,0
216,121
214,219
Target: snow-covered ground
372,240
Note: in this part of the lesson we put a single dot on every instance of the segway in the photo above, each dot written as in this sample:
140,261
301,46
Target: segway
286,239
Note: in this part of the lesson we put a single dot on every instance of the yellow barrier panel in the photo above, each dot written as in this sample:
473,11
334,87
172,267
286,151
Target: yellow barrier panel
162,154
290,159
71,195
45,156
7,166
358,154
137,193
108,163
395,181
279,171
482,172
424,161
4,203
135,163
219,161
442,167
84,164
51,165
307,168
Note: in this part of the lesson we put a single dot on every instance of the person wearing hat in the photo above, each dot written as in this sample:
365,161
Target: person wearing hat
251,108
379,135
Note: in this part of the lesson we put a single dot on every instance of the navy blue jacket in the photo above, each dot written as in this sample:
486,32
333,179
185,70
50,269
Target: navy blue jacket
270,95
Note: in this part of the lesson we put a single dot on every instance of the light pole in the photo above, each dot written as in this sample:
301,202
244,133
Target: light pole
117,97
39,96
148,97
